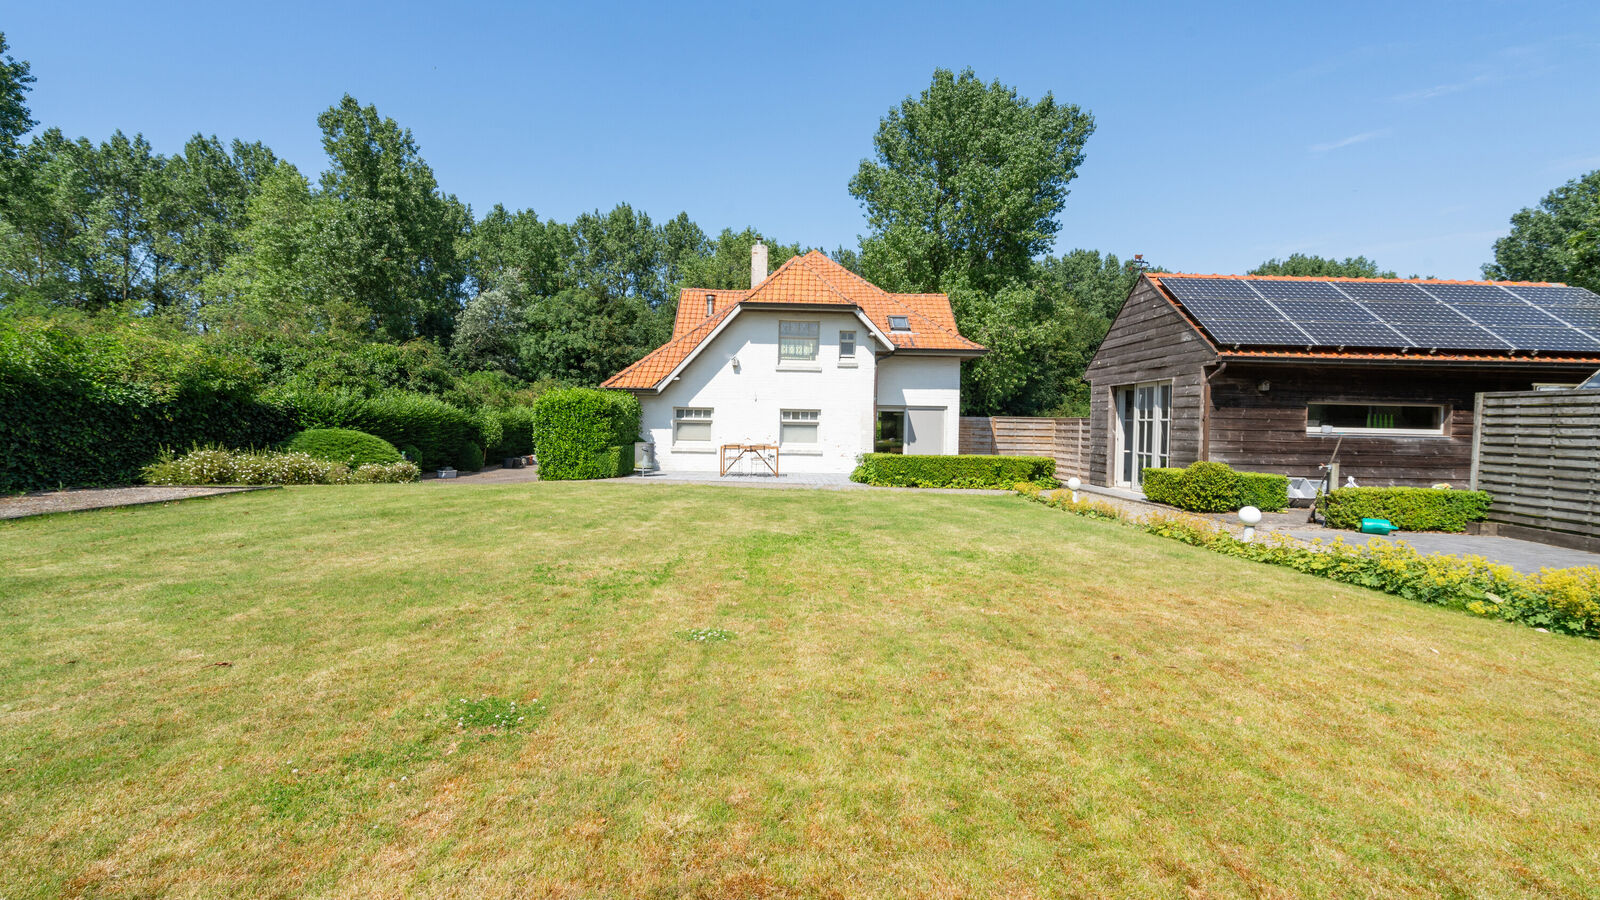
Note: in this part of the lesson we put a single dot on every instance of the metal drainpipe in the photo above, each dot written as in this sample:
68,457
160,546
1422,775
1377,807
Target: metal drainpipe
1205,412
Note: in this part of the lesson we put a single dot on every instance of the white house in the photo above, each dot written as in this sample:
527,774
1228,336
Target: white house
813,359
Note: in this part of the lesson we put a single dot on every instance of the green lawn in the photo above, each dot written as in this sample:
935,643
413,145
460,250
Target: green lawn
923,696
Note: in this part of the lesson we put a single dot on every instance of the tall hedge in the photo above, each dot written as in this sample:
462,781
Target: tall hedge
438,430
966,471
1409,509
90,409
576,433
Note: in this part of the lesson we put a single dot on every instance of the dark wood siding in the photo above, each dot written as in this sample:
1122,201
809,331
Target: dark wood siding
1265,431
1149,341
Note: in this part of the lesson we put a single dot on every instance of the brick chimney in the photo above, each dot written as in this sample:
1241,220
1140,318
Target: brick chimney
758,263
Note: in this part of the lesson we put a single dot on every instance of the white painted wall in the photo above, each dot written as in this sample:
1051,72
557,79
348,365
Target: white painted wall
747,402
929,382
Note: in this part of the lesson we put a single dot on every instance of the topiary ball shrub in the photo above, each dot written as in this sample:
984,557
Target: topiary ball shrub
1209,487
343,445
470,459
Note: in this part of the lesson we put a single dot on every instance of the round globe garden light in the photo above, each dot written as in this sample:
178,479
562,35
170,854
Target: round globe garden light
1249,517
1072,485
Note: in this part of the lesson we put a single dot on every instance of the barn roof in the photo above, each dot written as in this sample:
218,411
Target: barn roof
1276,316
809,280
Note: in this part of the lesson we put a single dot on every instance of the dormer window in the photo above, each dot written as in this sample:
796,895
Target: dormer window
899,323
711,304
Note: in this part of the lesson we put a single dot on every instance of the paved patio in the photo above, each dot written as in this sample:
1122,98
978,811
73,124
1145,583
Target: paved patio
1524,556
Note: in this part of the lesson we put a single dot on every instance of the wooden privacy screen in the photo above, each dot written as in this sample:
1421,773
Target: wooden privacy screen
1538,453
1067,440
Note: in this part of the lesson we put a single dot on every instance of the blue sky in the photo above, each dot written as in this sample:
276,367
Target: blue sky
1226,134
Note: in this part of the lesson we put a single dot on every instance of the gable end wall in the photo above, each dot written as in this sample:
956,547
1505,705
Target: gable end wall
1149,341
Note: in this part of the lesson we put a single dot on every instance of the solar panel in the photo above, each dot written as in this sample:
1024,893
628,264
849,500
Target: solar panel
1255,331
1543,295
1392,314
1393,291
1450,337
1339,335
1428,312
1296,290
1230,308
1469,293
1199,288
1324,311
1549,339
1497,317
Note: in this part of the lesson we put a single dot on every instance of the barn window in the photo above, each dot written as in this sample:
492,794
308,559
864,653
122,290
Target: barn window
1374,418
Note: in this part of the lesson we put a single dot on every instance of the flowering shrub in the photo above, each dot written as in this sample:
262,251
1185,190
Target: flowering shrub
218,466
1560,600
394,473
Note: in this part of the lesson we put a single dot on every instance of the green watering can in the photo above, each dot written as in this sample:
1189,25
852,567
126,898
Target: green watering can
1377,526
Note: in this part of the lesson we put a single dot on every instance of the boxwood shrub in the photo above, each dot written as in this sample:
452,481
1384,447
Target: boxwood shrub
439,431
1215,487
1409,508
581,433
353,448
966,471
470,459
516,432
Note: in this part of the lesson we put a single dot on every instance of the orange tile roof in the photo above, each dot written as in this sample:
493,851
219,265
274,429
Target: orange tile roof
810,279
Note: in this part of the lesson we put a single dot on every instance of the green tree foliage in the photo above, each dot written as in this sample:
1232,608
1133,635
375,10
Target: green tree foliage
15,118
1307,266
1558,240
968,180
391,237
487,334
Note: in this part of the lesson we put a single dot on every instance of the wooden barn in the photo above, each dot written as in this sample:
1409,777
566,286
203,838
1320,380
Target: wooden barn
1268,374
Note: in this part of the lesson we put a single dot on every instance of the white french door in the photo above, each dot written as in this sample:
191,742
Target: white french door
1144,429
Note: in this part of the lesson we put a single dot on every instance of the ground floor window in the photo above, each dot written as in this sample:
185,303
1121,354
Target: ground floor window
891,431
1373,418
691,425
798,427
1144,429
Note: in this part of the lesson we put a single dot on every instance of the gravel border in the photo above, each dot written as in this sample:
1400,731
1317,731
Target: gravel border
45,502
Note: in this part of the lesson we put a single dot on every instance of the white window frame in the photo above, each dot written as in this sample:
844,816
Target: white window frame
847,337
815,339
1150,427
811,417
692,415
1333,431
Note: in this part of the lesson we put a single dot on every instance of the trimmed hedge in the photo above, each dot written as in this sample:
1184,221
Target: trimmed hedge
439,431
1410,509
967,471
470,459
516,432
1215,487
342,445
581,433
90,408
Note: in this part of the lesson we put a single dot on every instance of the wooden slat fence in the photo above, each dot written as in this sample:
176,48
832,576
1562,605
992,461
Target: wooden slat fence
1065,439
1538,453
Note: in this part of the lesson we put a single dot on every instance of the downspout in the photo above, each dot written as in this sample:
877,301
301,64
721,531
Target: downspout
1205,410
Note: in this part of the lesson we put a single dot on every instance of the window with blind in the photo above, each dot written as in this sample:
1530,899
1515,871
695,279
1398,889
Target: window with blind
798,340
1364,418
798,426
691,426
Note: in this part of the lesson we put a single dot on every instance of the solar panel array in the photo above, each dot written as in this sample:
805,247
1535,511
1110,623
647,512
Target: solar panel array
1392,315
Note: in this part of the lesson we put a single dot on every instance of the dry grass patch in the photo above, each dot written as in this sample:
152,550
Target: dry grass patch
922,696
